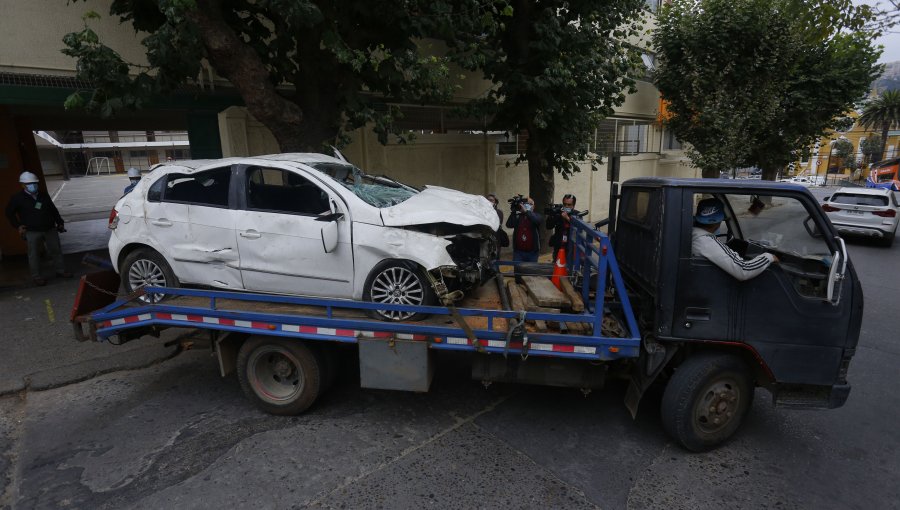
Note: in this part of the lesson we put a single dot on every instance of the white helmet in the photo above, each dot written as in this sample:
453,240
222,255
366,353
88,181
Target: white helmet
133,172
27,178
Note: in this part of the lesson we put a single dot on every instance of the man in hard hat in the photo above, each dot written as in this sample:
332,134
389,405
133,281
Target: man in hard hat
33,214
709,217
134,177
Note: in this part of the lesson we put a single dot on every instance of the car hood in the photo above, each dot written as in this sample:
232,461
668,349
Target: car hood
435,204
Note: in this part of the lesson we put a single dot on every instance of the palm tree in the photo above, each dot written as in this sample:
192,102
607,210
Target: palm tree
882,112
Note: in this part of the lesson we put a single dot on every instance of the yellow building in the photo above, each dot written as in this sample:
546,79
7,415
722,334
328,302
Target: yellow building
822,159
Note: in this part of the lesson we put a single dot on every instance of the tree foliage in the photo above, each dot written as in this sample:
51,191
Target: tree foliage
882,112
752,82
309,70
558,67
870,147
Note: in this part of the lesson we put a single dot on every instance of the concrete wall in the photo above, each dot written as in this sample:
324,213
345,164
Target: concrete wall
33,31
465,162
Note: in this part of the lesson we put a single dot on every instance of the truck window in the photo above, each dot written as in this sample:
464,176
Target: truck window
775,224
636,208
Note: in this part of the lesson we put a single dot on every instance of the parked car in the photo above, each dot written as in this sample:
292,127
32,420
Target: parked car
870,212
803,181
303,224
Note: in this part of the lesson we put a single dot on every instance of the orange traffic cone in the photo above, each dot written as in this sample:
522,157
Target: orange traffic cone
559,269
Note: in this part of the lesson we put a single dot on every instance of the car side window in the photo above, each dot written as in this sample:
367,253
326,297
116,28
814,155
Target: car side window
277,190
154,194
209,188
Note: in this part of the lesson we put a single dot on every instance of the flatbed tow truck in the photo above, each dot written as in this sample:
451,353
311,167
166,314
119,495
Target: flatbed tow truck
641,308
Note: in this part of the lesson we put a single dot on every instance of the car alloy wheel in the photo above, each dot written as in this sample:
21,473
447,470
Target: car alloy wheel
397,285
146,273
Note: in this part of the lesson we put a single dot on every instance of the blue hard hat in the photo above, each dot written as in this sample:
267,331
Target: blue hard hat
710,211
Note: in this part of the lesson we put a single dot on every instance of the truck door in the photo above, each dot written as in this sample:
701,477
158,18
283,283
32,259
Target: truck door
796,314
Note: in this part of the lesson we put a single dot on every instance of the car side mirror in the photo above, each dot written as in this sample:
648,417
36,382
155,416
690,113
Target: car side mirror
826,198
330,216
811,227
329,234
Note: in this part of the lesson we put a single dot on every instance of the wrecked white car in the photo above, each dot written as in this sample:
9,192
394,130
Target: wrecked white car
303,224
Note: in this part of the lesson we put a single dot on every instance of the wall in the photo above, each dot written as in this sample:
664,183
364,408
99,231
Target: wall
17,152
33,31
465,162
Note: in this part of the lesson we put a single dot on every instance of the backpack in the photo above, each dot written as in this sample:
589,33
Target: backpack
524,235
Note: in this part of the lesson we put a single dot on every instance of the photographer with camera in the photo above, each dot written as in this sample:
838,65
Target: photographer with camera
558,219
526,240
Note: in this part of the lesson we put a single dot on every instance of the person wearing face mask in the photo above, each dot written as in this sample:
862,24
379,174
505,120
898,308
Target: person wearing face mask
526,239
704,243
559,223
33,214
134,177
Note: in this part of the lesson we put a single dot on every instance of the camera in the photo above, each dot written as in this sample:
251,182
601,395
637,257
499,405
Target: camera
553,210
557,209
515,202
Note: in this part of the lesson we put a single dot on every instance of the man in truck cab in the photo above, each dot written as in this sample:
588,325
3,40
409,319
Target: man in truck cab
704,243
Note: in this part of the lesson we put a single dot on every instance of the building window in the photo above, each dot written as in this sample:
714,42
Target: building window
177,154
625,136
652,5
670,143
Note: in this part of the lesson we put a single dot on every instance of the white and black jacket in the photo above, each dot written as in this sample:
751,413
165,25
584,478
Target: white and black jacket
705,244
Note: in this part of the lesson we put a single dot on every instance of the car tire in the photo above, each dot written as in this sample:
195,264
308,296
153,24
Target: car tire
398,282
706,400
888,240
146,267
281,376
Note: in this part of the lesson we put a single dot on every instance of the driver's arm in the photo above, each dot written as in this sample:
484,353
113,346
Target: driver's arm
728,260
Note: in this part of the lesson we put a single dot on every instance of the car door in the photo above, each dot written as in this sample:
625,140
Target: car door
168,223
193,224
287,233
784,313
213,257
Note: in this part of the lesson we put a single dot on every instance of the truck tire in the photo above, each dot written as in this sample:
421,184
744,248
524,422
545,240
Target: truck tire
280,376
706,400
146,267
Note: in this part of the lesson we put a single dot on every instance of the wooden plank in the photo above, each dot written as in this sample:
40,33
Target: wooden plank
531,306
544,293
516,300
572,294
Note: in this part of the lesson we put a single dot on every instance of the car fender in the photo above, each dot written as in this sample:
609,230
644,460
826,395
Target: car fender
373,244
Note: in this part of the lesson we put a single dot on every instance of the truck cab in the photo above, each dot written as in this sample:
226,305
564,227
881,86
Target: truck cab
794,327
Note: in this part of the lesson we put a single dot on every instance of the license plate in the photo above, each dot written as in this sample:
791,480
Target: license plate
860,213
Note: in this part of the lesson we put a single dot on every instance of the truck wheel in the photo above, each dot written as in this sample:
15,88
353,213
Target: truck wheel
398,282
706,400
280,376
145,267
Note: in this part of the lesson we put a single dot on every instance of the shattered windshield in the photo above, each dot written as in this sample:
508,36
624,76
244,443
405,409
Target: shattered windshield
380,191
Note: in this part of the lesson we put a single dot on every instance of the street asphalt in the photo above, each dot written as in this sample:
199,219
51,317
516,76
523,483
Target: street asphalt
157,431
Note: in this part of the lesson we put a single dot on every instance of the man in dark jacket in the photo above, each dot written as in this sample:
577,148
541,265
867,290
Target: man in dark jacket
32,213
560,224
526,238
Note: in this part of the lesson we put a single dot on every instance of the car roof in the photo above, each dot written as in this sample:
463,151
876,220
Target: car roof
735,184
291,157
864,191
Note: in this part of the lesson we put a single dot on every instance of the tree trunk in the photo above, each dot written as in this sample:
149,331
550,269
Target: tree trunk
294,130
769,173
885,127
540,178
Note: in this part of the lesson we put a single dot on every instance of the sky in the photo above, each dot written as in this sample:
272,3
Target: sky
891,42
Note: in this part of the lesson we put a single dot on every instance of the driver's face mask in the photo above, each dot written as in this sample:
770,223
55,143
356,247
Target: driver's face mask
567,210
528,207
32,187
